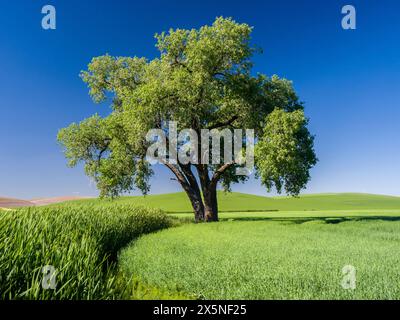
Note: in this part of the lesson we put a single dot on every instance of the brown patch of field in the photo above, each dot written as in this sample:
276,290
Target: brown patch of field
14,203
17,203
47,201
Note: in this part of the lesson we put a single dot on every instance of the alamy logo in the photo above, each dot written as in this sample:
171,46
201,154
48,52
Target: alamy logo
349,20
184,147
49,277
349,277
49,20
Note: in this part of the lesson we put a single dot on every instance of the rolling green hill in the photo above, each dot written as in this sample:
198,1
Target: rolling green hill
240,202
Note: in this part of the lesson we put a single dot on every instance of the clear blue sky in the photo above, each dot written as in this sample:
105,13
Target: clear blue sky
348,79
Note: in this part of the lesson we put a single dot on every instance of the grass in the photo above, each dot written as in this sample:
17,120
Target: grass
278,248
266,259
81,242
239,202
263,248
339,215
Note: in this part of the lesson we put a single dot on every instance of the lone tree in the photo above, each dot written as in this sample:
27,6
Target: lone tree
202,80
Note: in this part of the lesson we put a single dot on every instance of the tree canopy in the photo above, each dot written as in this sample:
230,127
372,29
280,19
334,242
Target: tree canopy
202,79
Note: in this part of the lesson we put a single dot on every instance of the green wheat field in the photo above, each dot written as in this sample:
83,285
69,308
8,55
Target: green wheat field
149,248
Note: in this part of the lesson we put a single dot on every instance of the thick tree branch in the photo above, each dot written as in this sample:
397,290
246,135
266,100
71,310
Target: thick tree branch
181,178
203,175
107,142
223,123
190,176
218,173
179,63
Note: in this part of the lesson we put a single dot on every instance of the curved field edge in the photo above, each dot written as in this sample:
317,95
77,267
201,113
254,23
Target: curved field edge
270,259
80,242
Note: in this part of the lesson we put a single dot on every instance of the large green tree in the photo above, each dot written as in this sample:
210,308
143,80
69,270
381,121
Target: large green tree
201,80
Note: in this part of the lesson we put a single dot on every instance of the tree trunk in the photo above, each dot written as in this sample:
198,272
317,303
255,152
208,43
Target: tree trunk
205,208
209,190
197,204
210,203
191,187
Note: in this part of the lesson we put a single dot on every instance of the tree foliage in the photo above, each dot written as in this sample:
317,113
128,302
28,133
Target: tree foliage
201,79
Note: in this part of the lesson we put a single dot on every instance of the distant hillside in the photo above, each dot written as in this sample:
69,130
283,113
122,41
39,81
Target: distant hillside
14,203
230,202
47,201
